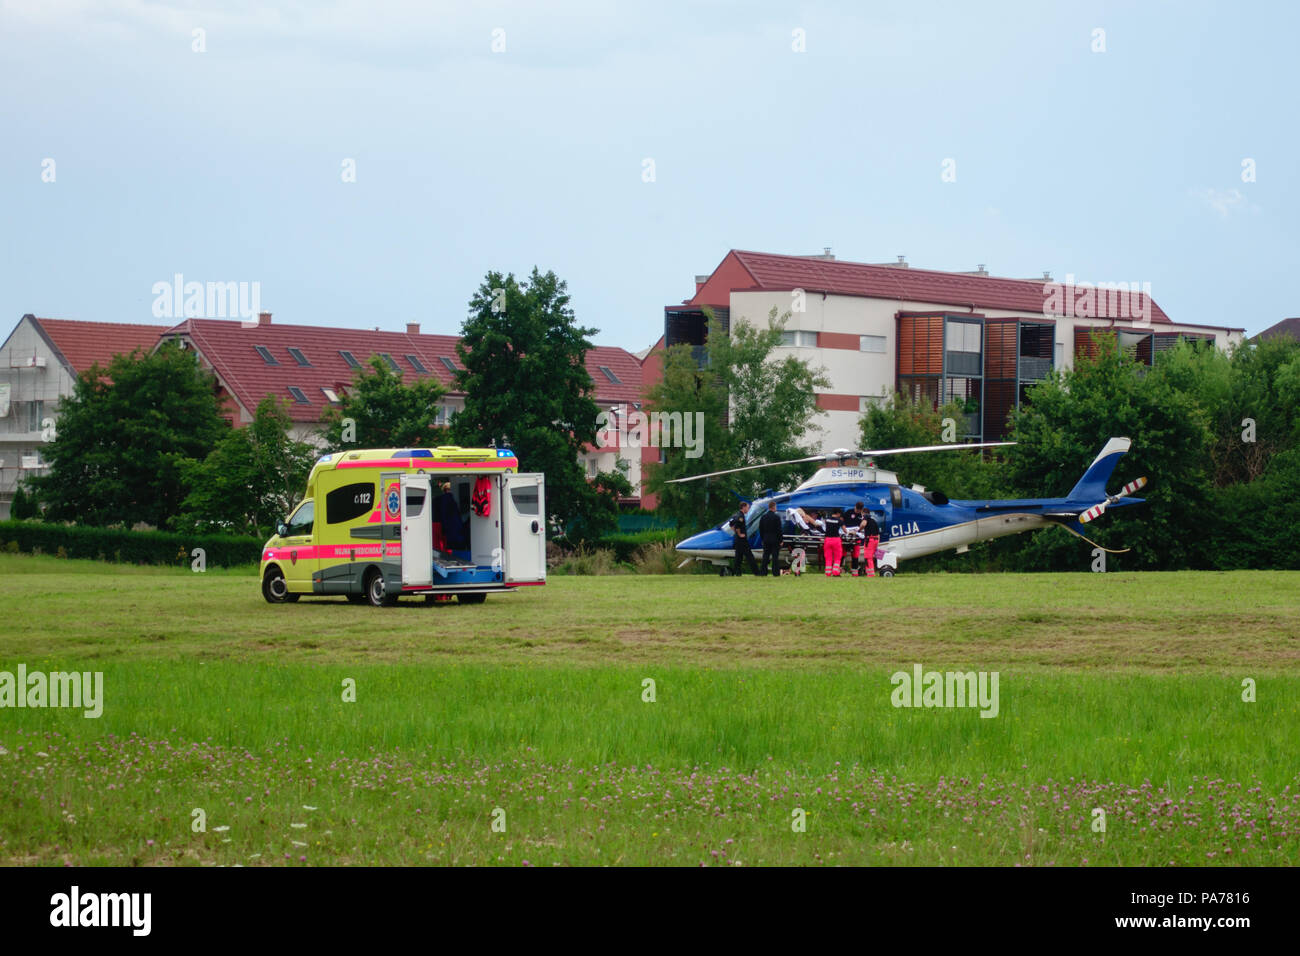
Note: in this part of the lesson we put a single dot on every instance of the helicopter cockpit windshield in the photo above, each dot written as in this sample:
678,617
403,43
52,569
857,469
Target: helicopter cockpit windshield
756,511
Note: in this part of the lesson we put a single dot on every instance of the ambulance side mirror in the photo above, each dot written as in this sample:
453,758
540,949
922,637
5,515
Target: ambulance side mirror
282,529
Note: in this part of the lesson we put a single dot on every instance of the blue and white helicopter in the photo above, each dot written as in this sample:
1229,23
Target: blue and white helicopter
913,521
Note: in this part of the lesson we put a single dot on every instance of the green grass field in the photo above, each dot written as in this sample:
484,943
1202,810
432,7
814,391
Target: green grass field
772,704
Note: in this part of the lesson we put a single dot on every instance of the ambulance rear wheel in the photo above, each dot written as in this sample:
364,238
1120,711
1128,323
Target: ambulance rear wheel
275,589
886,572
471,598
375,592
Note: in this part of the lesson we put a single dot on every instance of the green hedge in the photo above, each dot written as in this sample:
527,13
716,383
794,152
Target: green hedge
131,547
630,522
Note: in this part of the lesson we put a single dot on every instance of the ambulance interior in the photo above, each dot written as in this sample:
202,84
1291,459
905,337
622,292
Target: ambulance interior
459,530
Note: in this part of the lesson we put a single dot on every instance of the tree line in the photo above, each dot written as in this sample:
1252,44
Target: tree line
145,441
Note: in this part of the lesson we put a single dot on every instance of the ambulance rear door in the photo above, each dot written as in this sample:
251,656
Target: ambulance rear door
417,531
523,519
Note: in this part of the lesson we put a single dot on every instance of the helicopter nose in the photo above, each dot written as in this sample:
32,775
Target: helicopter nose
705,541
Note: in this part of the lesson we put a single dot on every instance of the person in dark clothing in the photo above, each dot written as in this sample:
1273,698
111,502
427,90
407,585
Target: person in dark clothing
853,525
769,531
871,533
740,540
447,521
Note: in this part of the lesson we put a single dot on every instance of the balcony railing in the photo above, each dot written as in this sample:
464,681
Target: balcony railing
964,363
1032,369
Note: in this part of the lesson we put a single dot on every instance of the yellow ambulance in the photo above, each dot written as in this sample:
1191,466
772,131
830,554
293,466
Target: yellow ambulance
378,524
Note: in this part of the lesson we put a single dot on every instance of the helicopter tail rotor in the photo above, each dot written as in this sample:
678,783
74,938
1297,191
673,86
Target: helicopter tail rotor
1097,510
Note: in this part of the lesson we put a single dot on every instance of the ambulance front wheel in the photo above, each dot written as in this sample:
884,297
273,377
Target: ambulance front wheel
375,592
274,588
886,572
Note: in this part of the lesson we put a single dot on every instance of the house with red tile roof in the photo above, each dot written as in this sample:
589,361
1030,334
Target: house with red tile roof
39,363
309,367
972,337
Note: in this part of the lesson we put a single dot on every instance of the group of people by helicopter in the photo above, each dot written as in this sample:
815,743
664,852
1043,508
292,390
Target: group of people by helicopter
853,532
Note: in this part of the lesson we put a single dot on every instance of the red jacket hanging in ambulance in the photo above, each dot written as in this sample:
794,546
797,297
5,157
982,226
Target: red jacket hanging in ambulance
481,499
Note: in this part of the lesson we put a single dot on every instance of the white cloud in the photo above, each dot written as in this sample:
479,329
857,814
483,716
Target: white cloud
1225,202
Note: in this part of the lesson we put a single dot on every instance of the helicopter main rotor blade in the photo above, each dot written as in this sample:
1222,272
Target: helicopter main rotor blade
907,451
732,471
842,455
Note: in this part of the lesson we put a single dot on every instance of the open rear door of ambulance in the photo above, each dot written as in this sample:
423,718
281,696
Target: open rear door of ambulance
523,511
417,531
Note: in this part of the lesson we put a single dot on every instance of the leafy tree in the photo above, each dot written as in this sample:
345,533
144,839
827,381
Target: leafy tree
601,516
756,409
902,423
250,480
24,505
697,394
1255,522
121,433
1071,415
526,384
380,410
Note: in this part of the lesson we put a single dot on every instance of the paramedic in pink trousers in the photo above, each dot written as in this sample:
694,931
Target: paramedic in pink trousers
833,548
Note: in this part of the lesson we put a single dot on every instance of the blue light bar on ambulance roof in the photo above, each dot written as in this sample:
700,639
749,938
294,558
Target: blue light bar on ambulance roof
505,453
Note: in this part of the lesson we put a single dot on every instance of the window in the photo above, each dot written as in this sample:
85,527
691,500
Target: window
267,357
331,396
350,359
417,364
297,356
443,416
415,501
961,336
349,502
799,339
871,343
303,519
525,500
447,363
298,396
604,369
392,362
35,412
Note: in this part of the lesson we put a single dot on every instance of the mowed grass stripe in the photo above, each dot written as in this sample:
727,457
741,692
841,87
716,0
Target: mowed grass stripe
1180,622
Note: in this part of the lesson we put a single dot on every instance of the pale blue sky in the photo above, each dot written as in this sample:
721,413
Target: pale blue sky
225,165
